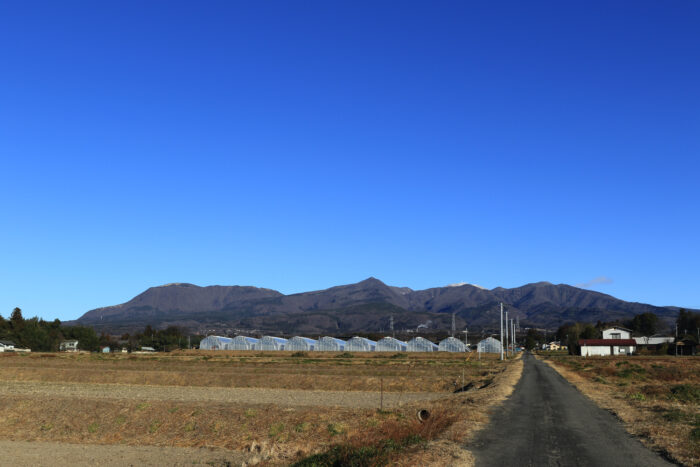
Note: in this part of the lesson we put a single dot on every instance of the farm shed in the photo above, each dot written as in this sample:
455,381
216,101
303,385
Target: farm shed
330,344
421,344
360,344
6,346
243,343
68,346
214,343
272,343
597,347
300,343
489,345
389,344
452,344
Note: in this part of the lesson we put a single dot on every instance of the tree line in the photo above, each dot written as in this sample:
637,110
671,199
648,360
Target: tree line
46,336
644,324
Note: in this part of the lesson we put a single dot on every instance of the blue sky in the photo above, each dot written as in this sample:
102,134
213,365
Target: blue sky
301,145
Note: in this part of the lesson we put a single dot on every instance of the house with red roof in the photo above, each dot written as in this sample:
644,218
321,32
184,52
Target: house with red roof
615,341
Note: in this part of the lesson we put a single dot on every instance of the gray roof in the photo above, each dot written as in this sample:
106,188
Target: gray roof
4,342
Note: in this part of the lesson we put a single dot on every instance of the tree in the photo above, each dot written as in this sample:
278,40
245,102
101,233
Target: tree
16,318
645,324
688,324
532,339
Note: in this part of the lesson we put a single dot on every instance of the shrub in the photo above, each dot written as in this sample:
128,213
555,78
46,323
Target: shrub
686,393
345,355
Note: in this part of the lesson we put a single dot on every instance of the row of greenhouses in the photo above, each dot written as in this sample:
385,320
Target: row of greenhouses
332,344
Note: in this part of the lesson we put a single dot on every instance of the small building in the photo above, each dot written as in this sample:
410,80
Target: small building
301,344
272,343
214,343
68,346
554,346
489,345
654,340
603,347
421,344
617,332
125,350
106,350
452,344
389,344
360,344
243,343
7,346
331,344
147,349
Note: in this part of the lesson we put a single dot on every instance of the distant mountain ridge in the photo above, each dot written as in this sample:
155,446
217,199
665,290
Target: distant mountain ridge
365,306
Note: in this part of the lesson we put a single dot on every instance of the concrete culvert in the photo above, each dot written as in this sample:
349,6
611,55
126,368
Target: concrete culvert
423,415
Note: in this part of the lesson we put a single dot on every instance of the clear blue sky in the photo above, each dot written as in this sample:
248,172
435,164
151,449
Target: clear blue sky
301,145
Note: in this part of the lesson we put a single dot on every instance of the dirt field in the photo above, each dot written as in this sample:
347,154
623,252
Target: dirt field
32,454
257,407
244,396
657,397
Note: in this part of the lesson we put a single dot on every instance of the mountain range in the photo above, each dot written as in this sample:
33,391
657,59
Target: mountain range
366,306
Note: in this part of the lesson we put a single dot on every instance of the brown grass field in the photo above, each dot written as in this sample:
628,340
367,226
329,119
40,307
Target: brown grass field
656,397
175,400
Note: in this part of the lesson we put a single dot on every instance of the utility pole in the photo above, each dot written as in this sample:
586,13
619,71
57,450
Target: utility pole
507,324
391,325
466,337
453,325
676,346
502,331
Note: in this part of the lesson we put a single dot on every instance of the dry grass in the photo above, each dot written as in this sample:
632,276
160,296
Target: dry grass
657,397
435,372
274,433
455,421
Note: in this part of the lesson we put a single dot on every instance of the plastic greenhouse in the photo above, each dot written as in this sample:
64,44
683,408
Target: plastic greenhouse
421,344
214,343
300,343
360,344
490,345
272,343
330,344
452,344
243,343
389,344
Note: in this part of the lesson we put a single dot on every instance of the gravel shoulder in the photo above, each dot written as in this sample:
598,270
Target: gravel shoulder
243,396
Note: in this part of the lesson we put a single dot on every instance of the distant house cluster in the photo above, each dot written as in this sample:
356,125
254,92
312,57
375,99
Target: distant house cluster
618,341
331,344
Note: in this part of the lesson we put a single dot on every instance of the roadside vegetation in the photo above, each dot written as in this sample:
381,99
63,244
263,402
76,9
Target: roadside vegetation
658,397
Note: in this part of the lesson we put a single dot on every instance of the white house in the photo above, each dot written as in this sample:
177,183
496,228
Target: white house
602,347
7,346
68,346
617,332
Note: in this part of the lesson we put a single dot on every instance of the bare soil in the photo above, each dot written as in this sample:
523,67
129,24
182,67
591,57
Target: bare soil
233,402
244,396
40,454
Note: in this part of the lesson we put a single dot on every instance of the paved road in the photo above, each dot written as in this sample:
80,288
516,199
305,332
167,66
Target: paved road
547,422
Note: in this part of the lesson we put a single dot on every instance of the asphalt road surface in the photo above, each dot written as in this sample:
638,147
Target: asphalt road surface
546,421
